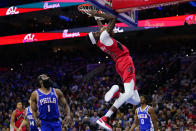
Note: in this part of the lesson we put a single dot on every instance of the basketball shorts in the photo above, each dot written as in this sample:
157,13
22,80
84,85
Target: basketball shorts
125,68
51,125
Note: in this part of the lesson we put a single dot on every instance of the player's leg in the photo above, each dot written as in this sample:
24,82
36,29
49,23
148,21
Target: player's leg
123,97
135,99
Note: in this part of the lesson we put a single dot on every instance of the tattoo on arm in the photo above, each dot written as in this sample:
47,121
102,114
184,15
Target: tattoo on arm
63,101
33,100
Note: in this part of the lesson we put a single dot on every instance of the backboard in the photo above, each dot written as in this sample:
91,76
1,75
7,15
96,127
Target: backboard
128,17
127,10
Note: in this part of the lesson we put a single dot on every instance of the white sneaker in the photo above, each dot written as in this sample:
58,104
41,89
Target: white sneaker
113,92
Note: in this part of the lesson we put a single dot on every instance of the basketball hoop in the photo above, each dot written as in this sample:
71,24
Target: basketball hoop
86,8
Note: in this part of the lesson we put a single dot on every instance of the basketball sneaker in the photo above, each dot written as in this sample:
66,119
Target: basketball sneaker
103,123
112,93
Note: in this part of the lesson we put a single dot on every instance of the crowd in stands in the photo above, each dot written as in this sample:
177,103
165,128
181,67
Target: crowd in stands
172,93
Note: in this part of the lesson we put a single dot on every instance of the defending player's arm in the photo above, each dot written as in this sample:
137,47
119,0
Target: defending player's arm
63,101
136,122
13,117
33,100
153,118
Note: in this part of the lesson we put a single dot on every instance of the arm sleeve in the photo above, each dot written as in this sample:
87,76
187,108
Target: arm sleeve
92,38
106,39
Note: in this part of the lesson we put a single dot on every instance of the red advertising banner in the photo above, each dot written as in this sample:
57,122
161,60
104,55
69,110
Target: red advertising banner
120,4
35,37
14,10
119,27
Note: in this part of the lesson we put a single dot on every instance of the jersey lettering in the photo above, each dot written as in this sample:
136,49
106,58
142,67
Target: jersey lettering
48,106
47,100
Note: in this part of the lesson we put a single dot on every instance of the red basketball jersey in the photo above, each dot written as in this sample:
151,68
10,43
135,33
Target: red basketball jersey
19,118
120,54
116,50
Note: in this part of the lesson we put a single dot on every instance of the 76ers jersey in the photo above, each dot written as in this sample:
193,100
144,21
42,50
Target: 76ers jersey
32,124
48,106
116,50
144,119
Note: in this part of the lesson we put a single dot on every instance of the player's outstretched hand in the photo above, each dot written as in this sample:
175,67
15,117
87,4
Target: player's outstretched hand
92,13
68,120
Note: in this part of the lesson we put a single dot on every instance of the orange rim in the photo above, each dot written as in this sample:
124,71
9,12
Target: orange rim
84,7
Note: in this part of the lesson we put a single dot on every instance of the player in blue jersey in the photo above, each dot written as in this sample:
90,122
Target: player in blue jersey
44,105
28,120
145,117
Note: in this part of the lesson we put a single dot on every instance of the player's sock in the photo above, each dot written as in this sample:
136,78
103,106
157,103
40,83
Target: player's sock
109,113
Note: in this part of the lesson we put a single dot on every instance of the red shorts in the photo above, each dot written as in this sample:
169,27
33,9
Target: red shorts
125,68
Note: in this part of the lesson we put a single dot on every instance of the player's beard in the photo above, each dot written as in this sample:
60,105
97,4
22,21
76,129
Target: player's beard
47,83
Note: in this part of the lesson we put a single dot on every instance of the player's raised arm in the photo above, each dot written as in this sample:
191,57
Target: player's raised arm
63,101
33,100
111,25
99,23
136,122
153,118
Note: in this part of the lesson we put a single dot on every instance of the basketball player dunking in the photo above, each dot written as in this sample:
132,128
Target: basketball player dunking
124,67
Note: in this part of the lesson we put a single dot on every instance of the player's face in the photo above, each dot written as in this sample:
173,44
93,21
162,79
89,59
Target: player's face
142,100
19,105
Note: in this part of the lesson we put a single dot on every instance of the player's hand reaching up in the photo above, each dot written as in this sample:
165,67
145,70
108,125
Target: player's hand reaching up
92,13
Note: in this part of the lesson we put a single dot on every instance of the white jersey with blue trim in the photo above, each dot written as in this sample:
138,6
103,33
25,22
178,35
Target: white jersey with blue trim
32,124
144,119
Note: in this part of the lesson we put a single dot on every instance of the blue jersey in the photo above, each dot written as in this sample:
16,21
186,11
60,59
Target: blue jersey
32,125
48,106
144,119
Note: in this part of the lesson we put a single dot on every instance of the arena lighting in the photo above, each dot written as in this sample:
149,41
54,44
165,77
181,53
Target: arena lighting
192,3
67,19
159,8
